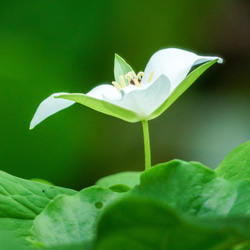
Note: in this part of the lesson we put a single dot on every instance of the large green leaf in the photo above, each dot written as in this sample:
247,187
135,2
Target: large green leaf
72,219
21,201
9,241
171,200
121,68
183,86
193,189
236,165
216,209
142,224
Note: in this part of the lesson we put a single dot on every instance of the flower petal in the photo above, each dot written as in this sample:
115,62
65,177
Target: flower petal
187,82
102,105
143,100
48,107
174,63
133,105
108,90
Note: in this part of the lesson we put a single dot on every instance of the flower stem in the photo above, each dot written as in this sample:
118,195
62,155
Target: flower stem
146,144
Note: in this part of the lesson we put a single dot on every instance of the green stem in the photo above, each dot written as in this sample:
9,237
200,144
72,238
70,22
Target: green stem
146,144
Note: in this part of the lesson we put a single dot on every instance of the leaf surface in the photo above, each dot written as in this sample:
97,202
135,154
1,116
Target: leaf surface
72,219
236,165
193,189
21,201
142,224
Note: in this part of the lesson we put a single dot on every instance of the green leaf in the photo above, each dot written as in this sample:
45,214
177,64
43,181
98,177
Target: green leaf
129,179
183,86
102,106
195,190
214,208
236,165
140,224
9,241
72,219
121,68
21,201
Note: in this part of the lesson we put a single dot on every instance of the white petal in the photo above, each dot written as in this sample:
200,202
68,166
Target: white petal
144,100
107,90
174,63
49,107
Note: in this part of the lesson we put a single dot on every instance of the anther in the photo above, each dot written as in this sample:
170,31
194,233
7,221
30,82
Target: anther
134,79
140,75
136,82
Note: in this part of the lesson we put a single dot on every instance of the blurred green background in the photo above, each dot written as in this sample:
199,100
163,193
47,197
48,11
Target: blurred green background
53,46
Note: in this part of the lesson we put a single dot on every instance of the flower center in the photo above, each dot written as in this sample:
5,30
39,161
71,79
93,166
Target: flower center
132,79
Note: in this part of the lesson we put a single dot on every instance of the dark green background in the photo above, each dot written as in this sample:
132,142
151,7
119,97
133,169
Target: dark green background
53,46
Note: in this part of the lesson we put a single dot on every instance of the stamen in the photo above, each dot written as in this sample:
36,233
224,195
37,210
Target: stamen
129,77
151,76
117,86
122,82
132,78
140,75
136,82
132,73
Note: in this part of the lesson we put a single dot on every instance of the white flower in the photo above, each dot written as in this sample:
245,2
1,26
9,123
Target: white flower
134,97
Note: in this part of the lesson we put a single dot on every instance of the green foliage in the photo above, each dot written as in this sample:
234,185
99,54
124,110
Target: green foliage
174,205
236,165
10,241
143,224
21,201
72,219
195,190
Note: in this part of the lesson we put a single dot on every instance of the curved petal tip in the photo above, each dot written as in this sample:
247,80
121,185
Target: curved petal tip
48,107
220,60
